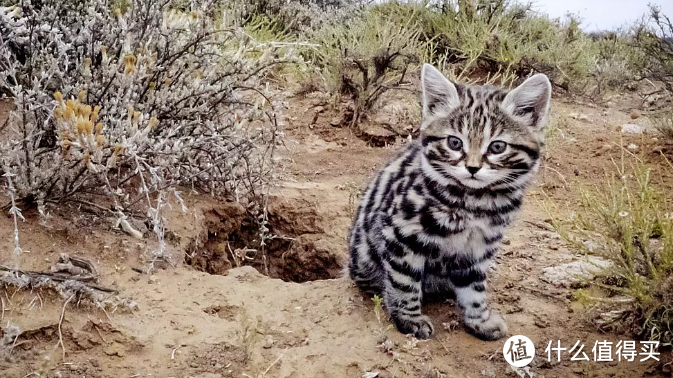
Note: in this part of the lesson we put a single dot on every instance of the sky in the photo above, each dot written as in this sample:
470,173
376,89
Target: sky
602,14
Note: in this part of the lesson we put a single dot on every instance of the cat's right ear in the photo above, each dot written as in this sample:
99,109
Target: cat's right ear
440,96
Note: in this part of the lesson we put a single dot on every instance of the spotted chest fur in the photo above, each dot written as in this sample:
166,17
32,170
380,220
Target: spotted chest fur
432,220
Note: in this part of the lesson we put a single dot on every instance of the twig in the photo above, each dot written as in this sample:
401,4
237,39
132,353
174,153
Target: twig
542,226
557,172
174,350
60,278
99,333
273,363
60,322
443,346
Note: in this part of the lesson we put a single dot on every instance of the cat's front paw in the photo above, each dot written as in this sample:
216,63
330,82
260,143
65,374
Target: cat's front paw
490,329
420,326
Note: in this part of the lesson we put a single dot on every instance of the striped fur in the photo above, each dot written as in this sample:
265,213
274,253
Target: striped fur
428,224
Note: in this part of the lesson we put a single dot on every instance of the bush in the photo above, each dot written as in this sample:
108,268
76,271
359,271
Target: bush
502,38
110,97
629,222
654,38
293,16
367,57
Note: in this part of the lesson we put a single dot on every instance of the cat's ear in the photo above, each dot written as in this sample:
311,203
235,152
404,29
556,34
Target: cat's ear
530,101
439,94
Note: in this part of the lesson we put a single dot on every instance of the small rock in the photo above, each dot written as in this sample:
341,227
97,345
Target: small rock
268,343
631,128
335,122
318,102
573,272
541,323
153,279
658,149
139,225
488,372
319,109
506,241
94,362
135,278
114,349
635,114
579,116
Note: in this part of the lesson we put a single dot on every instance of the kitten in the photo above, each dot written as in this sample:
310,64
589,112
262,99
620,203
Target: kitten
431,221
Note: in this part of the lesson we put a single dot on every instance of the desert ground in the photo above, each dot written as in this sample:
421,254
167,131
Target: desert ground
288,311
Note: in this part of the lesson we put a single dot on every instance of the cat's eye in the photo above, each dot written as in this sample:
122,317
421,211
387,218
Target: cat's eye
497,147
455,143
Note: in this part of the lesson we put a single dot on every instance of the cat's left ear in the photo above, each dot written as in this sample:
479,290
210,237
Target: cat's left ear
530,101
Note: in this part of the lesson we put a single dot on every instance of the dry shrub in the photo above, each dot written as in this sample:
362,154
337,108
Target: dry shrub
369,56
112,96
654,38
629,222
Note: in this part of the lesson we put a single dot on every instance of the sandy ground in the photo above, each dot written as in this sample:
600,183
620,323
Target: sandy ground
306,321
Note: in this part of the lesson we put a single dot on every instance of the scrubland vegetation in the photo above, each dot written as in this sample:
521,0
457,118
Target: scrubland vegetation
119,104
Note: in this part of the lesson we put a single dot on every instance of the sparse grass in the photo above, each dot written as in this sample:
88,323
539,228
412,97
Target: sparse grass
248,334
384,343
353,195
627,221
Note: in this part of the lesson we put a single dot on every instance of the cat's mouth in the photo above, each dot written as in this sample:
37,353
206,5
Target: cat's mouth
474,182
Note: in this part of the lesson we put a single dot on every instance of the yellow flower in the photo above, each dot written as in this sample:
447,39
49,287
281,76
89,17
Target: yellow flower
153,122
81,127
100,140
129,64
94,115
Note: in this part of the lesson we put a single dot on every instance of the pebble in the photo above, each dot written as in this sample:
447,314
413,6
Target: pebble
635,114
268,343
153,279
579,116
604,149
631,128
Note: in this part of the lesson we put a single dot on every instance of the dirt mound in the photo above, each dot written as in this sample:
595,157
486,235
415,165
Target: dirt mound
297,248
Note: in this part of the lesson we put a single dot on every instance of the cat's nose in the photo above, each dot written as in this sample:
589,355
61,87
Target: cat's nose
473,170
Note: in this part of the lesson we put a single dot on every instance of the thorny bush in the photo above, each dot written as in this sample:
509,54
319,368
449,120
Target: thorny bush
113,96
